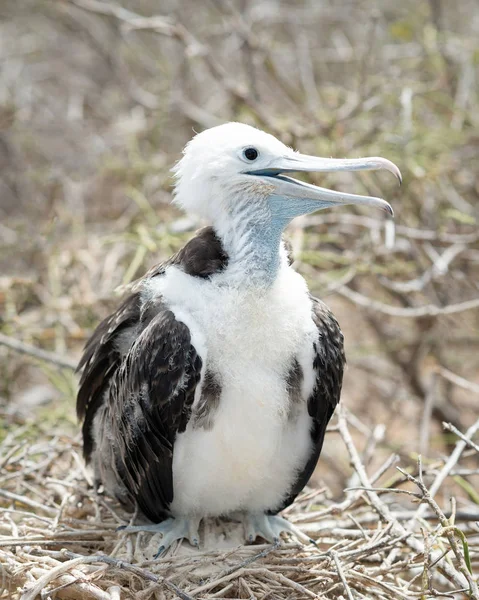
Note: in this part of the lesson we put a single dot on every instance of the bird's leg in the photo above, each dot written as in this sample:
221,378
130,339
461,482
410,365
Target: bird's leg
270,527
172,529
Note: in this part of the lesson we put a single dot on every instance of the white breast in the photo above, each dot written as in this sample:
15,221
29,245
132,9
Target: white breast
254,451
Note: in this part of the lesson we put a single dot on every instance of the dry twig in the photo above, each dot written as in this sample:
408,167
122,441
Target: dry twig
37,353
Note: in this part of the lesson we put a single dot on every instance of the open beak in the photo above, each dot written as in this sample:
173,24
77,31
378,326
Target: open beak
287,187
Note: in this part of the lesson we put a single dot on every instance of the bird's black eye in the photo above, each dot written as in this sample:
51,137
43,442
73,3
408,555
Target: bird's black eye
250,153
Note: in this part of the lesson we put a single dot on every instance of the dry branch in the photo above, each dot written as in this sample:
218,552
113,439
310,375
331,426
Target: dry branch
446,524
37,353
352,553
411,313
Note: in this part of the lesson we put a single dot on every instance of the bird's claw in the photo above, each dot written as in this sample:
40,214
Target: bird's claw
172,530
270,528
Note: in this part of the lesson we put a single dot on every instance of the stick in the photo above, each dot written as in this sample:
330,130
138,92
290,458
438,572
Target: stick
341,575
28,502
77,559
450,427
429,310
38,353
380,507
426,494
451,462
457,380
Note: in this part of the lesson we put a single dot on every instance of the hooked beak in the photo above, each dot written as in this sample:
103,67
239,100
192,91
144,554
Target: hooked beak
287,187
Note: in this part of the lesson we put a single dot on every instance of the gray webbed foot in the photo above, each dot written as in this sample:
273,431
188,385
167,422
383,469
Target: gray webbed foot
270,528
172,530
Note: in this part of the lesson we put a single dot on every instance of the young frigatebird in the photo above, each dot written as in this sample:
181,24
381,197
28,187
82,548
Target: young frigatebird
208,391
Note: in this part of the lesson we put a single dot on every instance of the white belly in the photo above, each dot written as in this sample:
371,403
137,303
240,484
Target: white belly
258,443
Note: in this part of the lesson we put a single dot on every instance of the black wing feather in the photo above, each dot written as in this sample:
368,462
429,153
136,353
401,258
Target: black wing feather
149,403
139,375
138,411
202,256
100,361
329,361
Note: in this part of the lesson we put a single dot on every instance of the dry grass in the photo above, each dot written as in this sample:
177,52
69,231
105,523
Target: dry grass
59,539
96,102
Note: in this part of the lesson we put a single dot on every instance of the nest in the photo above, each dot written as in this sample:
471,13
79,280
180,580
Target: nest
59,538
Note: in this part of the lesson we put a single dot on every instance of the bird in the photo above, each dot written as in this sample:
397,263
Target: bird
208,391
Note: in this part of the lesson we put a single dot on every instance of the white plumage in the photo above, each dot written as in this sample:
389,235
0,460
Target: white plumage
255,449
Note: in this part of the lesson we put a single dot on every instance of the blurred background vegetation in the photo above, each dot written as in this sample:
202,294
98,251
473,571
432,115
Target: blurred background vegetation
97,100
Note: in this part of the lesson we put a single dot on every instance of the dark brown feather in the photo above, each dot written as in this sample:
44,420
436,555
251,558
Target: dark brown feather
210,398
150,402
329,364
99,363
201,257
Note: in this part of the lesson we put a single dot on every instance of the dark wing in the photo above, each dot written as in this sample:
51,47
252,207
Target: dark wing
202,256
329,361
139,375
135,400
101,359
149,402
